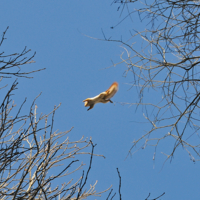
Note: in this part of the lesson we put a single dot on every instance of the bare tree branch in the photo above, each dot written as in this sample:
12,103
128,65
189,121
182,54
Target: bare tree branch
164,60
120,195
156,197
31,150
10,64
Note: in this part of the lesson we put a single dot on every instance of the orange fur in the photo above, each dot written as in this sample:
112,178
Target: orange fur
112,90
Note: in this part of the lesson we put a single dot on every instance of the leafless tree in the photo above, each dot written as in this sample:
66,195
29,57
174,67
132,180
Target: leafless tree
30,148
164,60
32,154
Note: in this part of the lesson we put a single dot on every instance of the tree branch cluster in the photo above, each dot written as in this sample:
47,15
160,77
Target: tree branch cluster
32,154
166,66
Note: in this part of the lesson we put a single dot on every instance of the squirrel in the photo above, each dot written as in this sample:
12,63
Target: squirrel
103,97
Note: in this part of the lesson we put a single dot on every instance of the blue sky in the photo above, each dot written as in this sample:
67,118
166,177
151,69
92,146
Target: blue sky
75,70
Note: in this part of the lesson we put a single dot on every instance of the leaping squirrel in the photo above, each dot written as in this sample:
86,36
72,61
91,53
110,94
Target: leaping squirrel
103,97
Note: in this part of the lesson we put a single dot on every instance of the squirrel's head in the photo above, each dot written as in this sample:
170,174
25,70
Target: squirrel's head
86,102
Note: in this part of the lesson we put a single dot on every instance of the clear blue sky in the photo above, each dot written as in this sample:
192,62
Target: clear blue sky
75,71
